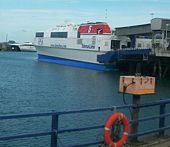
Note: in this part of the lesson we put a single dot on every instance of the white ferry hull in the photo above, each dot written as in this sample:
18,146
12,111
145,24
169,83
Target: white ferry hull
76,45
27,48
72,57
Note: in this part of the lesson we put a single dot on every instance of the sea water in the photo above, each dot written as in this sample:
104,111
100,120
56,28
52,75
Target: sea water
30,86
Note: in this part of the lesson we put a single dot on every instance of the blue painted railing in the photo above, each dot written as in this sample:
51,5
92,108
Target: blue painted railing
55,130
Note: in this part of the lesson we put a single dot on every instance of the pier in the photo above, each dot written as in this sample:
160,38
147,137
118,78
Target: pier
145,62
158,32
148,49
4,46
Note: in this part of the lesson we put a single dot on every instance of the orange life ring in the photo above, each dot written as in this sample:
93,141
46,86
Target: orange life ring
107,130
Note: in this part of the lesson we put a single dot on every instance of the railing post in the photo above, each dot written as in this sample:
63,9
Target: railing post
162,119
54,129
135,116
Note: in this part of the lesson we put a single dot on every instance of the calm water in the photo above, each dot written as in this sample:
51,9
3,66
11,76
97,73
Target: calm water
30,86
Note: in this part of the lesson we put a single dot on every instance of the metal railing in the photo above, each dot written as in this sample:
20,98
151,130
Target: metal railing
55,130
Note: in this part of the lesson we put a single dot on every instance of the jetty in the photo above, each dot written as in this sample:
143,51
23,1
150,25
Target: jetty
9,46
4,46
155,36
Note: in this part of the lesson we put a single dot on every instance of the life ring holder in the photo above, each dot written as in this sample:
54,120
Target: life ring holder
108,126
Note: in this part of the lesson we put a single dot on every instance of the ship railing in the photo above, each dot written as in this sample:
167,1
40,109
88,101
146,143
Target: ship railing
135,48
55,130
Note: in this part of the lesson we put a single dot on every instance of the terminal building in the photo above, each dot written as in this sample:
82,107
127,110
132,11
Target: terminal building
155,35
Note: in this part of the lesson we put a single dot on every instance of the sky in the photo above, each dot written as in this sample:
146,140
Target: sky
20,19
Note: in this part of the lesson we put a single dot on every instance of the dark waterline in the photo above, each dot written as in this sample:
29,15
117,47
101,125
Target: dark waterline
30,86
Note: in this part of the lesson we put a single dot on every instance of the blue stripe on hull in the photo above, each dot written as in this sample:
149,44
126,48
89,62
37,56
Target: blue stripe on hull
74,63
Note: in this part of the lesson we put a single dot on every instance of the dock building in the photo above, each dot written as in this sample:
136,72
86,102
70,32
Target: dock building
157,33
154,35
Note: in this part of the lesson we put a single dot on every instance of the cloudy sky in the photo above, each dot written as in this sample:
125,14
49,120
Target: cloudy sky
20,19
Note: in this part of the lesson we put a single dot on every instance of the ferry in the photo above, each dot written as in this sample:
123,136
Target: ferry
24,47
27,47
77,45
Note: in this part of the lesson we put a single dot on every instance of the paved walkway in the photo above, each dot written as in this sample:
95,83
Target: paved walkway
152,142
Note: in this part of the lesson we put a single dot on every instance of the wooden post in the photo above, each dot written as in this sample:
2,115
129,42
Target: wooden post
135,116
160,69
154,69
131,67
165,71
138,69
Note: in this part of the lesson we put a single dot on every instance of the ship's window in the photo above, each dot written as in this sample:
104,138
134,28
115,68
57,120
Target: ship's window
58,34
39,34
